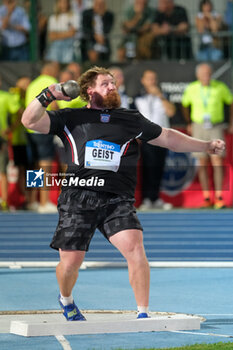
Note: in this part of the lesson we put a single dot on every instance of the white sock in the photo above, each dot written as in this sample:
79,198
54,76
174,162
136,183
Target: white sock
66,300
143,309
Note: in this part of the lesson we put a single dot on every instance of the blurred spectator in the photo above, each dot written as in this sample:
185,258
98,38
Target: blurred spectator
75,69
228,14
15,26
6,107
97,24
42,22
62,28
41,146
170,28
126,101
228,26
137,36
206,98
208,23
17,133
155,107
78,6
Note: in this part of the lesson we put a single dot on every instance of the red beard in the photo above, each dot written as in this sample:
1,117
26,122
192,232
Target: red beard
111,100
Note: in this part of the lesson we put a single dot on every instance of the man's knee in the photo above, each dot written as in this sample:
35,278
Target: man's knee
71,260
136,253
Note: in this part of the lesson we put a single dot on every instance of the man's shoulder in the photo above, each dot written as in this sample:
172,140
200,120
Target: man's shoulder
193,85
127,111
218,83
179,9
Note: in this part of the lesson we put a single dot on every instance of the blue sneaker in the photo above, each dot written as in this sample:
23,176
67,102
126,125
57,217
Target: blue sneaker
143,315
71,312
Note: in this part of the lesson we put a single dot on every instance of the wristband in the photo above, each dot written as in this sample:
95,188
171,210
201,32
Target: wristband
45,97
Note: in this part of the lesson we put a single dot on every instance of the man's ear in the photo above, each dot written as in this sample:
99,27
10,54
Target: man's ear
90,91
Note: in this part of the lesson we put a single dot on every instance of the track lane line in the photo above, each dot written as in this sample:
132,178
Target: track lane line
206,334
64,342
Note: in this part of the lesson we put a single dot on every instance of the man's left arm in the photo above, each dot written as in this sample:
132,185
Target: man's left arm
178,142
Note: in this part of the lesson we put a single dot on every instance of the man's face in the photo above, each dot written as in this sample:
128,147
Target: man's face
204,73
165,5
149,79
104,92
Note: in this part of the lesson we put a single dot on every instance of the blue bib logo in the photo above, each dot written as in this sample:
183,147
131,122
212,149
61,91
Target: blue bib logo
104,118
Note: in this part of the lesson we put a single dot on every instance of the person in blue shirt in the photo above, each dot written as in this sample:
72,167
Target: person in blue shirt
14,26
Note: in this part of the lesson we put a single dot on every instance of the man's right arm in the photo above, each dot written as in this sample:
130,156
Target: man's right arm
36,118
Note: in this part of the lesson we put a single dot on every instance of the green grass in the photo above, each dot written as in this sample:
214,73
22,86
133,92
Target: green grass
217,346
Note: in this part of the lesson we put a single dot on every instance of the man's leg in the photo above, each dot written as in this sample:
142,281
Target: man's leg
217,164
67,274
67,270
203,178
130,244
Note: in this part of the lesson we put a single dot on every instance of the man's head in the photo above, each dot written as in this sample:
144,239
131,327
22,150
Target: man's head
11,3
98,88
75,68
140,4
166,6
149,78
52,69
203,73
22,84
99,7
65,75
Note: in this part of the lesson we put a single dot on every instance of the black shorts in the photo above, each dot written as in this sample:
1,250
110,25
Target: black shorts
82,211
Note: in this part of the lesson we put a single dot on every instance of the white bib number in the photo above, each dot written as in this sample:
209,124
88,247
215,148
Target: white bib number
102,155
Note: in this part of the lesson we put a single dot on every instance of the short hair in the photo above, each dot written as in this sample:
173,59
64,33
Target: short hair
202,64
88,78
205,2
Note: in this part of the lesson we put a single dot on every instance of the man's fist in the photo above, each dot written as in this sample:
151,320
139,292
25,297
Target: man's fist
216,147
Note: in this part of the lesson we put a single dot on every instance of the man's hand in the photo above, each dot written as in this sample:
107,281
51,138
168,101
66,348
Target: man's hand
216,147
56,91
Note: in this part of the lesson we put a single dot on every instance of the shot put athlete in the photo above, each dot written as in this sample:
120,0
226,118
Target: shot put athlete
102,151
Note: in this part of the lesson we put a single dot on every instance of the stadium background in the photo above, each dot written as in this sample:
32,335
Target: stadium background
174,77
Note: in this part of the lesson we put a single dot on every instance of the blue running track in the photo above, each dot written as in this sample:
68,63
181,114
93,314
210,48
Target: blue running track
168,236
176,236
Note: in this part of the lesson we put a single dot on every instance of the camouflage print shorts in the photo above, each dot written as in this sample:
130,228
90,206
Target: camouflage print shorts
82,211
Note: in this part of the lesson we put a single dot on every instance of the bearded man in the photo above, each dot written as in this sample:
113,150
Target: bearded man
102,152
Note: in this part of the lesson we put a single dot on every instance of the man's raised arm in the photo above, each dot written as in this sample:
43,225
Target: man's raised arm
35,116
178,142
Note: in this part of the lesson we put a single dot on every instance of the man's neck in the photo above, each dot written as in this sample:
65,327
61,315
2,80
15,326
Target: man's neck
205,84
